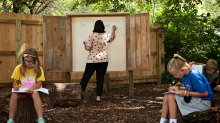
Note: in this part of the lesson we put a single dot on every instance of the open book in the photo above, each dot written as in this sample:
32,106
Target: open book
171,92
23,90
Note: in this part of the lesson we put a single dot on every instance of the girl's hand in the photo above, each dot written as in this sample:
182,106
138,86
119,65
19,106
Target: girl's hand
182,92
173,88
16,88
16,85
30,90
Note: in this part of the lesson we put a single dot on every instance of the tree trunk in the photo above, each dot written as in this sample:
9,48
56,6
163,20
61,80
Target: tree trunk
208,116
65,94
26,112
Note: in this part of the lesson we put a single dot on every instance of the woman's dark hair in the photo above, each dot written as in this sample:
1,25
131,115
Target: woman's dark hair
99,27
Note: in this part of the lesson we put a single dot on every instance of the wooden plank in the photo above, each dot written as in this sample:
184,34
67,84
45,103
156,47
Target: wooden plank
26,22
97,14
144,46
18,40
7,65
128,46
8,36
148,41
56,41
138,50
9,53
8,15
132,43
68,45
131,84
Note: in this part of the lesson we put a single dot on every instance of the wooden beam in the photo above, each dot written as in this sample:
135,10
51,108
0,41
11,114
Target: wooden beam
97,14
11,53
27,22
131,84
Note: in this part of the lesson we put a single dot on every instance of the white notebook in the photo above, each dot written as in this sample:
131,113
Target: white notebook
23,90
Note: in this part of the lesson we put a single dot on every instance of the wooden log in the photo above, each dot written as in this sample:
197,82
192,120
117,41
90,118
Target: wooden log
25,112
65,95
208,116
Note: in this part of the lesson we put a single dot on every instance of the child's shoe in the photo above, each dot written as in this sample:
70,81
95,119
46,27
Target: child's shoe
10,121
40,120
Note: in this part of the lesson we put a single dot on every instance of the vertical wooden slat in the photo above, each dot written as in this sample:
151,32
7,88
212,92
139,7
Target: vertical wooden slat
148,42
128,46
18,39
138,50
131,84
132,43
144,46
68,45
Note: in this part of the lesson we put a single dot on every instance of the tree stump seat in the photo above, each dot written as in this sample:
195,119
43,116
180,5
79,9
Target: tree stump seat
25,111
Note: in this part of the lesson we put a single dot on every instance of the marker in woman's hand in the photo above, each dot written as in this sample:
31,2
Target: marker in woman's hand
84,42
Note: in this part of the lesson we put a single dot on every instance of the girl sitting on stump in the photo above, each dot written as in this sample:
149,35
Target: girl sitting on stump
29,74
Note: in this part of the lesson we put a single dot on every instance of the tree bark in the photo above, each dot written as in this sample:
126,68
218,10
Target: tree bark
26,112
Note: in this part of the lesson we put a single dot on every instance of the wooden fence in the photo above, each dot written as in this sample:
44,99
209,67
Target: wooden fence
19,31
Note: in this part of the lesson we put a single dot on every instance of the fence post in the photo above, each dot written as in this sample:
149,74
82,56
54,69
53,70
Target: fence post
18,39
131,84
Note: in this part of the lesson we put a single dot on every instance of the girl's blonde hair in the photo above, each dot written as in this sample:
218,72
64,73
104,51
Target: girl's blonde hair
212,65
33,53
177,62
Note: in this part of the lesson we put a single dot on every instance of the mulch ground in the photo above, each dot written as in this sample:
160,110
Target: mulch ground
115,107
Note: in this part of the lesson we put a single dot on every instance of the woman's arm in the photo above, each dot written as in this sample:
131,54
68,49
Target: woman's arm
112,34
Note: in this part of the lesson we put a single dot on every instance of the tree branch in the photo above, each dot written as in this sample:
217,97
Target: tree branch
47,3
4,5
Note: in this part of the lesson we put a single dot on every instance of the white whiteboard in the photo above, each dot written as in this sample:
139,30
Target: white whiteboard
82,27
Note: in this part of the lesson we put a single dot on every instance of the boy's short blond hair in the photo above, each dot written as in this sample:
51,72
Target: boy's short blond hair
177,62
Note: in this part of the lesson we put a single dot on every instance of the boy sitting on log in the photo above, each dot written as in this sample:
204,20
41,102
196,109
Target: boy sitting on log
197,95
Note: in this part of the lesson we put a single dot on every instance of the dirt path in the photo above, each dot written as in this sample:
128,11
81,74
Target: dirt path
115,107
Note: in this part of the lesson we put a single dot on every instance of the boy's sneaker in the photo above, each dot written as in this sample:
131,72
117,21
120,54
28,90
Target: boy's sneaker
10,121
40,120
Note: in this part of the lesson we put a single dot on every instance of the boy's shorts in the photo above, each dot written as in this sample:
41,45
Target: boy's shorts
196,104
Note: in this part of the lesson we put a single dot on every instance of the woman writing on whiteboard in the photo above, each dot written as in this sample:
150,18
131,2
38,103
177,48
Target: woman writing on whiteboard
97,59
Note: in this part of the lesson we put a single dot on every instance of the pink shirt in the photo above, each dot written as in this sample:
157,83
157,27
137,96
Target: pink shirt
98,41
